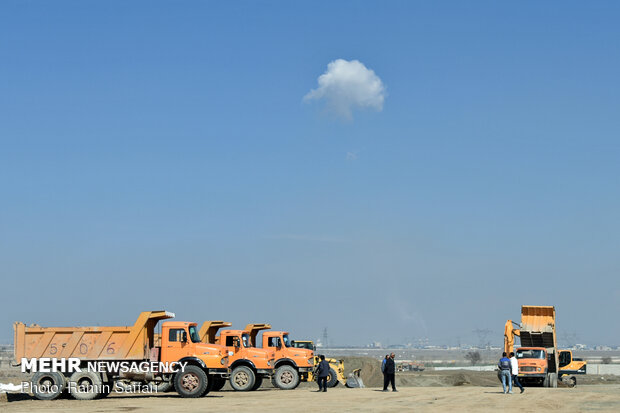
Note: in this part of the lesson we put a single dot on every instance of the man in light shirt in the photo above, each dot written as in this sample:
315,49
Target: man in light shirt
514,370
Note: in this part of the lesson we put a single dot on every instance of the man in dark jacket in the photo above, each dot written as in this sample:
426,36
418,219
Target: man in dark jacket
322,371
389,373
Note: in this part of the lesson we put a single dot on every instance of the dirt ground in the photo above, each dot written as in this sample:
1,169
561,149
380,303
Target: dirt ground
460,398
459,390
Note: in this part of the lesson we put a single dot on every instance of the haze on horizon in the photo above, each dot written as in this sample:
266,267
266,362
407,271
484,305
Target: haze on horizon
386,170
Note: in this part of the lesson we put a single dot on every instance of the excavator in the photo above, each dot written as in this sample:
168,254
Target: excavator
540,361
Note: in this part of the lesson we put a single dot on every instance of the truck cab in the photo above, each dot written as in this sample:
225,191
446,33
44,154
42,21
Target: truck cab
291,364
180,342
249,365
569,366
533,364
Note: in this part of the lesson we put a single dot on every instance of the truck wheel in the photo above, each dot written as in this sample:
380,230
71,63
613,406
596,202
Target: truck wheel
85,385
47,386
258,383
286,377
553,380
218,383
332,378
193,382
242,378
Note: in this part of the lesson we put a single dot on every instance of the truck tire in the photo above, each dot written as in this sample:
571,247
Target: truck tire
192,382
332,379
85,385
258,383
242,378
218,383
47,386
553,380
286,377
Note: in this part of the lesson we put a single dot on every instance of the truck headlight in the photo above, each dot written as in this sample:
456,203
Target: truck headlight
311,361
539,369
224,361
269,362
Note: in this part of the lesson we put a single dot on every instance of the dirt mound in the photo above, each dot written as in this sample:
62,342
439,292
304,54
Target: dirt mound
371,369
372,376
448,378
597,379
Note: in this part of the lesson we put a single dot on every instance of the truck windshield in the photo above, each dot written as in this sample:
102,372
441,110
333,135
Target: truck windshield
286,340
193,334
246,340
530,354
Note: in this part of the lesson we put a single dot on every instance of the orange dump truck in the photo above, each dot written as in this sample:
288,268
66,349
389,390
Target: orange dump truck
538,354
292,364
540,361
248,365
87,361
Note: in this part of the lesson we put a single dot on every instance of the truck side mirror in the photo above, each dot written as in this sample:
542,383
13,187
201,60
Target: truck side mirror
184,337
236,341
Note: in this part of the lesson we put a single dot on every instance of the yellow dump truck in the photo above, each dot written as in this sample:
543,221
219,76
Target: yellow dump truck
86,361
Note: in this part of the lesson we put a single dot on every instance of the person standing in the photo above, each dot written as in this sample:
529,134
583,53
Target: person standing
387,356
389,373
504,372
322,371
514,371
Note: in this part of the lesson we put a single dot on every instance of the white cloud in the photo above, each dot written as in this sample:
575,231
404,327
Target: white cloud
348,85
351,156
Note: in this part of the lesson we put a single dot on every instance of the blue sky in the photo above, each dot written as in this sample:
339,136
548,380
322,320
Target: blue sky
160,155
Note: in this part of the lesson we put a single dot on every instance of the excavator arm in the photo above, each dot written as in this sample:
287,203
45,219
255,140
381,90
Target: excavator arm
509,336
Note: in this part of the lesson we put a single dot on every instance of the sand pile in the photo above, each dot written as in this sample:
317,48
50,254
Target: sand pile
448,378
372,376
371,369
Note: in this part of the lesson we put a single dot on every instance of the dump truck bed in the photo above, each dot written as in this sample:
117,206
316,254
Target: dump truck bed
89,343
538,326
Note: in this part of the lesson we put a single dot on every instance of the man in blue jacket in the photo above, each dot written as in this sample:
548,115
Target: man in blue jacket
504,372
